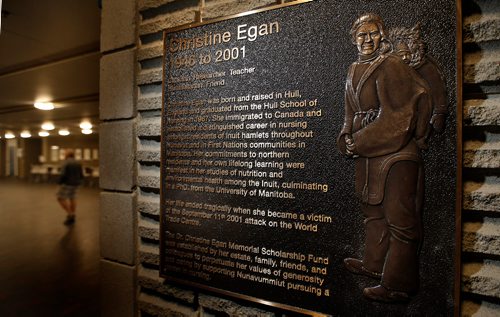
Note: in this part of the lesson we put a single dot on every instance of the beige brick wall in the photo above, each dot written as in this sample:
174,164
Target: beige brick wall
481,161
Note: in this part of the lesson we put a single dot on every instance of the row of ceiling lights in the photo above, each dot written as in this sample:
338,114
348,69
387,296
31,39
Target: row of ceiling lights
86,126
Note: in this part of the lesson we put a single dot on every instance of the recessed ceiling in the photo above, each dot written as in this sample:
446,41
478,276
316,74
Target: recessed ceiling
49,51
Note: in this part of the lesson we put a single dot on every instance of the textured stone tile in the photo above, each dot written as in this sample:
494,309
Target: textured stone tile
483,65
149,51
118,24
482,112
118,227
150,76
149,233
118,294
149,229
482,237
485,30
150,103
149,127
149,177
148,151
149,204
230,308
483,23
148,156
117,86
479,309
151,280
177,18
117,143
482,278
149,255
482,196
482,157
484,153
159,307
217,9
149,4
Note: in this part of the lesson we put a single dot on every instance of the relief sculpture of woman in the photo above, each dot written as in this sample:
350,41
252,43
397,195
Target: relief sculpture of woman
388,110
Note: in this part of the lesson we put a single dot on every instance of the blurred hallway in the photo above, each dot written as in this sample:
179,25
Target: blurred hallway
47,268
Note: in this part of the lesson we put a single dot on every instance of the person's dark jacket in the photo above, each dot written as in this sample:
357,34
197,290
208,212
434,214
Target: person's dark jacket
71,173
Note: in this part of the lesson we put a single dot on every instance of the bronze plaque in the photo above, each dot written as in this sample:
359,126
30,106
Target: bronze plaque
309,157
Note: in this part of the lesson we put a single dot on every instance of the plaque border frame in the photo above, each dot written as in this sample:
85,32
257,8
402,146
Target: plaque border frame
459,153
459,156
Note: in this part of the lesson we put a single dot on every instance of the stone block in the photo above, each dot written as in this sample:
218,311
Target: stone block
118,24
117,167
149,127
482,236
485,30
481,156
484,153
482,278
482,27
179,17
148,203
146,156
482,112
479,309
149,177
117,86
149,233
149,4
149,254
484,65
149,228
118,295
118,227
149,181
482,196
152,50
149,103
156,306
150,76
215,9
230,308
150,279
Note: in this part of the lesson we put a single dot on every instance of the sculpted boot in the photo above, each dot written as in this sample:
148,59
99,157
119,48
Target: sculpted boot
383,294
356,266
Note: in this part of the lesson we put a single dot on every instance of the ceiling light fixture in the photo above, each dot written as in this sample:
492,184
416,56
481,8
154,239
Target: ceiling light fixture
48,126
25,134
43,133
86,131
44,105
64,132
85,125
9,135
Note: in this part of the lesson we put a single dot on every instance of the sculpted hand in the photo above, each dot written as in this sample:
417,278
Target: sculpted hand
349,142
438,122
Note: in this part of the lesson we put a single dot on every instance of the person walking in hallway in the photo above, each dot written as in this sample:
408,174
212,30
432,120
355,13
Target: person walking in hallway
71,177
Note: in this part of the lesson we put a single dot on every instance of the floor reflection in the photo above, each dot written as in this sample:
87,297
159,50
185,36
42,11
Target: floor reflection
47,268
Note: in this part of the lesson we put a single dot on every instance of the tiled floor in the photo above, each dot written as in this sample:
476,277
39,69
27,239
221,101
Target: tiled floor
46,268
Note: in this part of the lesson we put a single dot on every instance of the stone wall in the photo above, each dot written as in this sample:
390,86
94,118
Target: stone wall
131,76
481,159
118,164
